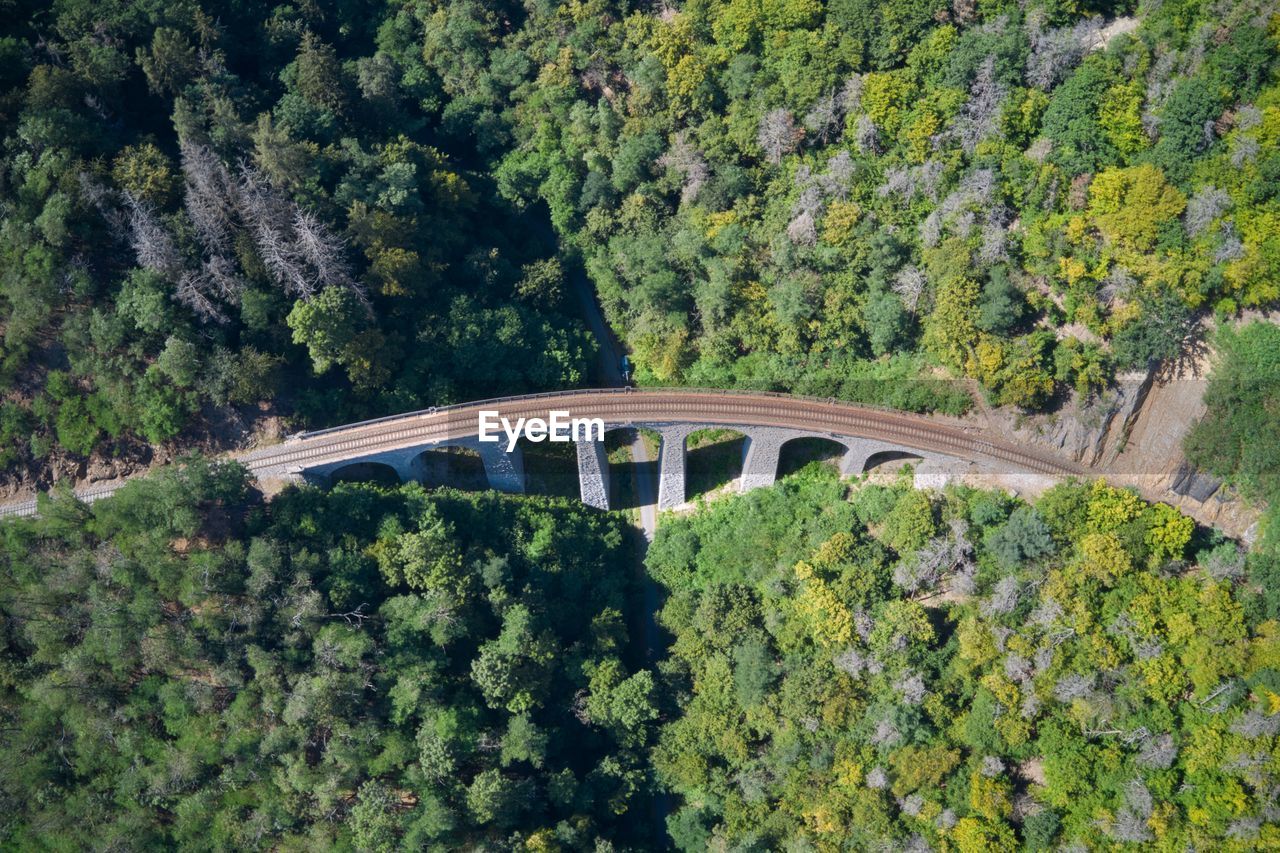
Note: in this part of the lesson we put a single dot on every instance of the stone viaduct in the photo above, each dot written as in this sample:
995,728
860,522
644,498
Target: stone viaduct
768,421
504,470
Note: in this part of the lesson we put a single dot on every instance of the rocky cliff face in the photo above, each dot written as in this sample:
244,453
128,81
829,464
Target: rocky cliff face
1133,433
1093,432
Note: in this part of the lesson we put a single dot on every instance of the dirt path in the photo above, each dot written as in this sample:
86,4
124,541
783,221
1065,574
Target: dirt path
609,364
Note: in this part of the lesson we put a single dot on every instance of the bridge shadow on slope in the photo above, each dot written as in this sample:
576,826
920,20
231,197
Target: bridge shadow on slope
800,453
713,458
550,468
625,473
366,472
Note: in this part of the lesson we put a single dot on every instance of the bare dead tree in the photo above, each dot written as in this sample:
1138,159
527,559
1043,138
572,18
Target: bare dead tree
1117,285
995,243
221,273
686,159
1230,247
1073,686
863,624
1130,822
299,251
877,779
269,221
1130,826
886,734
960,208
1018,668
850,661
849,98
824,117
1160,82
107,202
910,284
778,134
152,245
939,557
917,843
323,250
897,181
810,199
979,118
912,688
210,196
838,176
1138,735
1245,828
1203,208
1252,724
867,136
1055,51
803,230
192,291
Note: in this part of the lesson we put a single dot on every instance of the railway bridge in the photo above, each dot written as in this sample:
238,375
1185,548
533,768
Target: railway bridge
768,421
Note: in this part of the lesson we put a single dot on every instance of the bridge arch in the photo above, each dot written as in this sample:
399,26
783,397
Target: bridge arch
450,464
362,471
802,450
714,458
890,458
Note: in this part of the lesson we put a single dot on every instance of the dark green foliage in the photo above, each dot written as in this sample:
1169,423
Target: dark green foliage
189,668
1157,335
1192,104
1040,830
1002,306
1025,536
122,186
1237,438
794,196
888,323
1071,121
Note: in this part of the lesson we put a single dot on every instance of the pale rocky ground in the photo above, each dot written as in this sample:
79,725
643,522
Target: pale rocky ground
1131,436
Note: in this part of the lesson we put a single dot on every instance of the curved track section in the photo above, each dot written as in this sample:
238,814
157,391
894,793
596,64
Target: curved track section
636,407
625,407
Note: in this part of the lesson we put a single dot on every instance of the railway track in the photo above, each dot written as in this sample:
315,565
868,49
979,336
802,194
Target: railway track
620,407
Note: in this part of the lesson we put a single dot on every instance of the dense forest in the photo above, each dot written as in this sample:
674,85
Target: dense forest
1237,437
877,667
231,205
1030,195
912,671
364,668
222,220
335,210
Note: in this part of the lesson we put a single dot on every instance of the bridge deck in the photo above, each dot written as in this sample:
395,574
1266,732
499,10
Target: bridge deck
635,407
